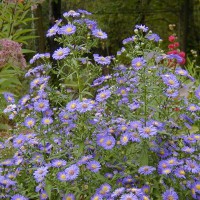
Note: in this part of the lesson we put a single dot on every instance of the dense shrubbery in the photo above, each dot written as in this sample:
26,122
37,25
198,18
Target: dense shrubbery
131,134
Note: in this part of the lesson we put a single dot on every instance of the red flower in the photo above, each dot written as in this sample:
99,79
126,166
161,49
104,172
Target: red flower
176,44
172,38
171,46
182,54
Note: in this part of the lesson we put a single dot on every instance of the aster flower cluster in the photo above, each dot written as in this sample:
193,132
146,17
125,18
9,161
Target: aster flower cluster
135,138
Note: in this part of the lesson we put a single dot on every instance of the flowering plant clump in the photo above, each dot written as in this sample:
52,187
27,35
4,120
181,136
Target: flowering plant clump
129,135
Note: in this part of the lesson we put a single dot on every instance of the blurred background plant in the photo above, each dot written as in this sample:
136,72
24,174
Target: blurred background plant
16,32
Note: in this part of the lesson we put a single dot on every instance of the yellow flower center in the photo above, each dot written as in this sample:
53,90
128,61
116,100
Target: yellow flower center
147,130
125,139
46,121
171,82
198,187
73,106
100,33
192,108
19,141
63,176
103,95
41,105
170,197
138,64
60,53
182,172
108,142
69,29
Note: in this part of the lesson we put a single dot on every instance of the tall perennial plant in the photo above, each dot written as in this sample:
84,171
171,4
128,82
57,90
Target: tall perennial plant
129,135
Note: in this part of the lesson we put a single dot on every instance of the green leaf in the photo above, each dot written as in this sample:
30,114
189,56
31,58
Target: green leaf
48,187
27,51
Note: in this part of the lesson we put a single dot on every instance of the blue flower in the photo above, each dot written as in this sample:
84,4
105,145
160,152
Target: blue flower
99,33
101,59
72,172
170,194
67,29
138,63
94,166
146,170
61,53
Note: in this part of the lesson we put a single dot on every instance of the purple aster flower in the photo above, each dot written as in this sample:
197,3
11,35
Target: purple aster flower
98,81
9,97
47,120
170,80
72,172
103,95
178,58
52,31
84,160
24,100
72,105
181,71
85,12
117,192
108,142
134,136
43,195
58,163
153,37
18,197
97,197
124,139
109,175
192,166
146,189
71,13
61,53
6,182
104,189
193,108
69,196
171,92
134,106
101,59
38,56
62,176
67,29
99,33
138,63
135,124
142,27
123,91
196,187
170,194
29,122
146,170
187,149
19,141
41,105
40,173
128,40
91,24
180,173
94,166
85,106
129,196
146,132
197,93
7,162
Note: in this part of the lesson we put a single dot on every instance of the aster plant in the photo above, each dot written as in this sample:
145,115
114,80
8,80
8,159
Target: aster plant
137,138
